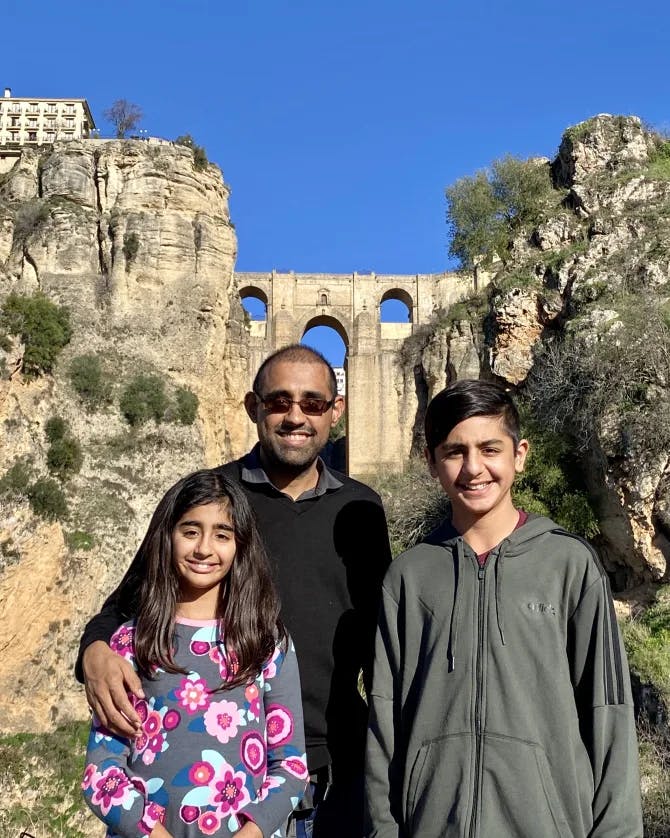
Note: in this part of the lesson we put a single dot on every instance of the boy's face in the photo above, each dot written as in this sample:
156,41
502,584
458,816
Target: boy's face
476,465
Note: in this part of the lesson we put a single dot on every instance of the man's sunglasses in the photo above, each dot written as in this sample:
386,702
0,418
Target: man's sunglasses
282,404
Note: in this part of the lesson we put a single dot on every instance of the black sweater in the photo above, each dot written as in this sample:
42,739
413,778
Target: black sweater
329,553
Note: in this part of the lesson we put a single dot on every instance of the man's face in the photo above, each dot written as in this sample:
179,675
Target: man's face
292,441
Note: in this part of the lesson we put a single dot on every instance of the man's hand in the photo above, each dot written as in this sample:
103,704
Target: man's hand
108,679
159,831
249,830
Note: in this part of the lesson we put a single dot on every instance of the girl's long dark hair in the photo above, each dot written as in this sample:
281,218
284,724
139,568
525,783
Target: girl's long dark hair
248,605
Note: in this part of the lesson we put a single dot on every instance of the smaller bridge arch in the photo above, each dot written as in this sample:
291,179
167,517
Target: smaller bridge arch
326,320
257,325
401,295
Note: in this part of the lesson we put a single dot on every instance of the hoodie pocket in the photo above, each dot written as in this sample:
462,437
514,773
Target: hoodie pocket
518,795
439,787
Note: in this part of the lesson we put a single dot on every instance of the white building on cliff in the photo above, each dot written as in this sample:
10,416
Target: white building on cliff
33,121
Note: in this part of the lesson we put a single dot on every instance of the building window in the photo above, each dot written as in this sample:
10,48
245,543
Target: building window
53,108
32,121
14,120
69,121
32,136
324,299
50,136
69,109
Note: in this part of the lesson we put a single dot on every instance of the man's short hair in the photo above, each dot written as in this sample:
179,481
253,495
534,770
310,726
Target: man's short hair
464,399
296,353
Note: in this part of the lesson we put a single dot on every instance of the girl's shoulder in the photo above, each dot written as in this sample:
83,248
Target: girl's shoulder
123,640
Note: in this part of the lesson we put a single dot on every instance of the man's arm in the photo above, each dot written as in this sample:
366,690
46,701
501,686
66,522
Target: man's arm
107,677
605,706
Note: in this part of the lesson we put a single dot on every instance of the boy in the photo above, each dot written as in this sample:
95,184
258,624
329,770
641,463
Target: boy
501,703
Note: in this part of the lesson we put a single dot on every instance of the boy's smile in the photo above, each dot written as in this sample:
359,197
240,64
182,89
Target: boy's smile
476,465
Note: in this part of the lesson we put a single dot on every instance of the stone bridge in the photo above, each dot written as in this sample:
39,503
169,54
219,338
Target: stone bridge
381,400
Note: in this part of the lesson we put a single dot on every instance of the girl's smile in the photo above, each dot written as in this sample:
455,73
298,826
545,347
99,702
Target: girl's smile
203,551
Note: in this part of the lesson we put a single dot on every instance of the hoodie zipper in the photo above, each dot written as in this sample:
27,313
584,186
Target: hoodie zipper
481,573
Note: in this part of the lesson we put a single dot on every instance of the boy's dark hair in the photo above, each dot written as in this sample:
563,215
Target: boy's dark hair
464,399
248,606
296,353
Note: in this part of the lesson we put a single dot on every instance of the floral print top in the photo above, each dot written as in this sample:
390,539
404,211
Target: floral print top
205,761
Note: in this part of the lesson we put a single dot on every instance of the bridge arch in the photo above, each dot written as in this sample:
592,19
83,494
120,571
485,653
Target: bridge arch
377,383
253,292
399,295
326,320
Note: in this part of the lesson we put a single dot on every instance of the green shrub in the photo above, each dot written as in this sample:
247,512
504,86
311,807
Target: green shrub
548,484
80,540
56,428
659,161
47,499
142,399
200,161
655,780
131,246
17,478
43,327
186,406
485,211
64,457
414,503
88,380
647,640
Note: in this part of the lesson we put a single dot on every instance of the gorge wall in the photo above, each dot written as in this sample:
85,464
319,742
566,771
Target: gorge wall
577,319
138,244
162,306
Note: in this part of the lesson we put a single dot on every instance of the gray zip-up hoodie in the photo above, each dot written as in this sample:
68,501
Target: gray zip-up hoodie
501,703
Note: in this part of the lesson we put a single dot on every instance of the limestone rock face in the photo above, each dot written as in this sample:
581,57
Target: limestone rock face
603,144
138,245
518,328
589,269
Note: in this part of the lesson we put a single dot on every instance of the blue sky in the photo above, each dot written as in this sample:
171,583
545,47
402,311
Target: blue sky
339,124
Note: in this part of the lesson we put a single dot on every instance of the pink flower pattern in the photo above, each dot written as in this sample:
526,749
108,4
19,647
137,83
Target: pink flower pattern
278,724
222,719
209,822
222,785
228,790
111,788
193,694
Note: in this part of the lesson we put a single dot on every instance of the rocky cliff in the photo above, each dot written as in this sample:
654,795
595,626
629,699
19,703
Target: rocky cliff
577,319
137,243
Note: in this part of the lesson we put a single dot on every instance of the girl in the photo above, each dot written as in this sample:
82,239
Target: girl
221,749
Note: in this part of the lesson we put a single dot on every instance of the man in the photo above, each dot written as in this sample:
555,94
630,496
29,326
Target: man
326,536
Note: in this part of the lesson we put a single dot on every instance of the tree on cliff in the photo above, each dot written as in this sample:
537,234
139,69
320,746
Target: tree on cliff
124,116
486,210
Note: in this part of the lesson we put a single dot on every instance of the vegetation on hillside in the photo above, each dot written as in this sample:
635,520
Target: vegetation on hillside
40,777
200,161
43,327
486,209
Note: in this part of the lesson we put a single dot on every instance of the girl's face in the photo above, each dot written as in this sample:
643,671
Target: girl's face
203,548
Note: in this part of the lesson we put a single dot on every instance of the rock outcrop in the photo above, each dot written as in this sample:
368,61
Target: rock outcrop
137,243
592,277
